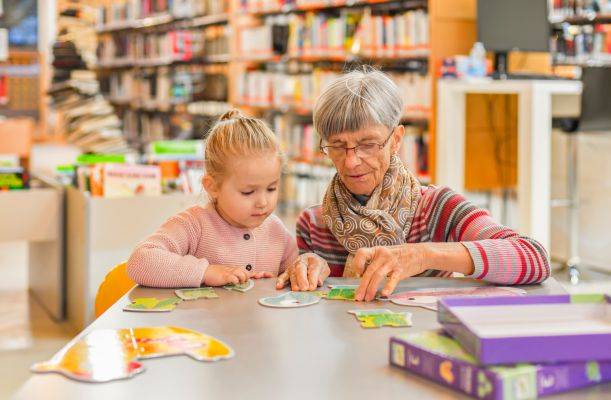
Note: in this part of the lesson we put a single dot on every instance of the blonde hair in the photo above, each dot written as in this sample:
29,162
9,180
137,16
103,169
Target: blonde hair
235,135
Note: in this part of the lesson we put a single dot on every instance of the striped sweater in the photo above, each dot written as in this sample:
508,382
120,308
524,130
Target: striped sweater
499,254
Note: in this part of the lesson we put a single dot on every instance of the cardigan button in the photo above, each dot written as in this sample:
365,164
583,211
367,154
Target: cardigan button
246,236
248,267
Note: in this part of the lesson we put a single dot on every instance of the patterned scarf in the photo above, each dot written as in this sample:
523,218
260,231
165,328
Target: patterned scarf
384,221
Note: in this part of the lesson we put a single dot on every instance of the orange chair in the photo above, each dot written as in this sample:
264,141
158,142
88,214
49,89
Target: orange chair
115,285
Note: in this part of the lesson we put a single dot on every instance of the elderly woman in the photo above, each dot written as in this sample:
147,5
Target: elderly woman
376,220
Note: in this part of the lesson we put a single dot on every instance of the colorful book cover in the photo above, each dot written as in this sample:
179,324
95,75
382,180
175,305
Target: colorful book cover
13,178
436,356
131,180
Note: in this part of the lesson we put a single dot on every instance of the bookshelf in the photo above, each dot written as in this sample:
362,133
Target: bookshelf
164,65
441,27
581,33
146,44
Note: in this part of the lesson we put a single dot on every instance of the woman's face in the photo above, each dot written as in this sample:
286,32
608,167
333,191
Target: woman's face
362,170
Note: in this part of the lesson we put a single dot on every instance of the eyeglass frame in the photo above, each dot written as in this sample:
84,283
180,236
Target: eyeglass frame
323,149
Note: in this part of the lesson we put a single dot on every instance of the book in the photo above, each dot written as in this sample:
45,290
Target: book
436,356
13,178
123,180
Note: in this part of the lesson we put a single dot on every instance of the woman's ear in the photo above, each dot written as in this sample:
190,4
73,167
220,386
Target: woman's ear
397,138
210,186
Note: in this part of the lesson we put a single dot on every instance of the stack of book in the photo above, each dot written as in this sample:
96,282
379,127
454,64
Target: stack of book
89,121
512,348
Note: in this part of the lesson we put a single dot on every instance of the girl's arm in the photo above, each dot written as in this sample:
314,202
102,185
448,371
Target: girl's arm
165,258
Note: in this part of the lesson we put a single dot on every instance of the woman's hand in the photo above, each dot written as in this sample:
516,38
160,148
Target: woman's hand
393,262
308,272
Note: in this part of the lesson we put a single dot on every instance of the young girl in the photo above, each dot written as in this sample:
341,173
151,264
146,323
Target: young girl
235,236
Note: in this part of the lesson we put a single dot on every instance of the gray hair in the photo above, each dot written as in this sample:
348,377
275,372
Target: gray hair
357,100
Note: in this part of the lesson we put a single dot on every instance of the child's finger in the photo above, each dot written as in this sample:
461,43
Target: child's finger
232,279
241,274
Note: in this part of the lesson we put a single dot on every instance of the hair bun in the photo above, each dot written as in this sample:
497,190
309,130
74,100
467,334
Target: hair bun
231,114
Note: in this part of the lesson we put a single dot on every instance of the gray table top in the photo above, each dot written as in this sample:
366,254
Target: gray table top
318,352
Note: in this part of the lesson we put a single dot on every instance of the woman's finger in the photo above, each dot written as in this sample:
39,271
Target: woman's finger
362,257
302,277
361,291
293,277
376,278
391,283
313,275
282,280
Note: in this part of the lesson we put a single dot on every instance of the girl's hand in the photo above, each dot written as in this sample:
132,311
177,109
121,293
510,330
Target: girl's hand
219,275
261,275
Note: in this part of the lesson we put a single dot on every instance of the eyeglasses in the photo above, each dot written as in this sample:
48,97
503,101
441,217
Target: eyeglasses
363,150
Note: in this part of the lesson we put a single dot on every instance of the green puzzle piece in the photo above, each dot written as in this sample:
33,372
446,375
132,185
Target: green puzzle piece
379,318
338,293
152,304
196,293
241,287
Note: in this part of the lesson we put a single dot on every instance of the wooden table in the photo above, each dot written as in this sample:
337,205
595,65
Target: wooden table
315,352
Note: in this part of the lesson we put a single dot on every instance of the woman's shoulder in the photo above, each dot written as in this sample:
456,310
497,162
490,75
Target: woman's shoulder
434,197
312,216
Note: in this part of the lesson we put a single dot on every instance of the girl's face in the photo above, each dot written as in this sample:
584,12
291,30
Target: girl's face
248,193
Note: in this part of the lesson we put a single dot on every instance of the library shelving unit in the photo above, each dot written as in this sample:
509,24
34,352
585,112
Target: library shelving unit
133,62
163,65
580,37
324,38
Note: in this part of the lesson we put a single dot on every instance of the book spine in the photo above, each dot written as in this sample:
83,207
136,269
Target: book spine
457,375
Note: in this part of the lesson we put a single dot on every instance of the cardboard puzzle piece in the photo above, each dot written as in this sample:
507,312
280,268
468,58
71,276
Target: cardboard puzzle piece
348,292
196,293
241,287
427,298
152,304
341,292
377,318
111,354
290,300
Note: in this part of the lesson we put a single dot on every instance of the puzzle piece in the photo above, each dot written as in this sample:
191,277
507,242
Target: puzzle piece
348,292
427,298
196,293
241,287
339,293
122,348
152,304
290,300
382,317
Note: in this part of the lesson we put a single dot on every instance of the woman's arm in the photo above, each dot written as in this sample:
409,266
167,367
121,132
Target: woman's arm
463,239
498,253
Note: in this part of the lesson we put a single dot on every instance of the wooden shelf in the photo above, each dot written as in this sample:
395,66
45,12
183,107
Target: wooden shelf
333,5
162,62
163,20
582,62
416,55
583,19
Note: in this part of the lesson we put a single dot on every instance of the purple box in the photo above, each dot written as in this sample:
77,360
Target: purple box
436,356
540,329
